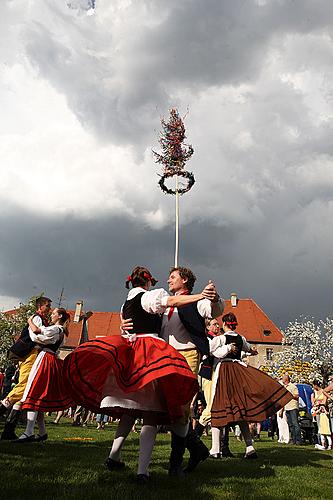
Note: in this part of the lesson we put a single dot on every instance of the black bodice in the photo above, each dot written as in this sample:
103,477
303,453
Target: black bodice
143,322
234,339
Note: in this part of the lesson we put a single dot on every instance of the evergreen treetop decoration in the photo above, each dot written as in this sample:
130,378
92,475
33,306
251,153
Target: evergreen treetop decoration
175,153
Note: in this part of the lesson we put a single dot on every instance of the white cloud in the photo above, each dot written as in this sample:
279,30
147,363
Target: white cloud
8,303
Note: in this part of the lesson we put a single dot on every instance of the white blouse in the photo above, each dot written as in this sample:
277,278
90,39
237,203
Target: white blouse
220,349
48,335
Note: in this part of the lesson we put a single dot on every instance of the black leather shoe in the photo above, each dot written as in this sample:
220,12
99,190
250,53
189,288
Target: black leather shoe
176,472
142,479
25,439
216,456
41,438
198,450
251,456
8,435
200,455
227,454
114,464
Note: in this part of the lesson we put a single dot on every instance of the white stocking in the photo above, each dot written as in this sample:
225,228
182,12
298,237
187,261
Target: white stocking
31,420
124,428
216,435
147,441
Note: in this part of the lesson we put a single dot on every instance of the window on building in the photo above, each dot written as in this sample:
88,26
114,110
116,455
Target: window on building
267,333
269,354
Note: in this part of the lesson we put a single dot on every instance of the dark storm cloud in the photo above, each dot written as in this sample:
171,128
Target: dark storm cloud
91,260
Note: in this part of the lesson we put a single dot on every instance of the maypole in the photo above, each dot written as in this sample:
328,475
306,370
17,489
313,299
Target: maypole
173,158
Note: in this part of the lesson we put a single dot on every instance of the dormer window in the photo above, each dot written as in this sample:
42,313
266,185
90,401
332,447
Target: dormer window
267,333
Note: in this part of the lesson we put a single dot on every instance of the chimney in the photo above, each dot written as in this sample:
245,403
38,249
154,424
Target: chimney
233,299
78,310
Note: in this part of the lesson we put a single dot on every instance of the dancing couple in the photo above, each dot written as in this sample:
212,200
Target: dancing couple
151,372
41,386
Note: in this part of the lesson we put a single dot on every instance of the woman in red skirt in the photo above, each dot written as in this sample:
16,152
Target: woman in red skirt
135,375
242,394
45,390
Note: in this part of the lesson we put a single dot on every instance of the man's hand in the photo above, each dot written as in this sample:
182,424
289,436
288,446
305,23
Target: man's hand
233,348
210,292
126,325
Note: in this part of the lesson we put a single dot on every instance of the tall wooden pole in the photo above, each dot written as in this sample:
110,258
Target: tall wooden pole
177,224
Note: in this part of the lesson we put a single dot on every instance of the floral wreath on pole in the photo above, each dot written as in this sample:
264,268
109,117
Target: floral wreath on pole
174,153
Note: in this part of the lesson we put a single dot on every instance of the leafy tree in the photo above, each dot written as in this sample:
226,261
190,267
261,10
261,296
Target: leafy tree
308,352
11,325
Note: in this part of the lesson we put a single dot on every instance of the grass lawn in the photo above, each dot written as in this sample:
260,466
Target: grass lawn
67,468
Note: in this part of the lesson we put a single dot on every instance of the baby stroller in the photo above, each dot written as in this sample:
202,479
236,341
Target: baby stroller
306,424
304,417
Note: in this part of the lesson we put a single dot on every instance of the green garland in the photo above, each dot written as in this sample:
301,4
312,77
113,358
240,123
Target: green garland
182,173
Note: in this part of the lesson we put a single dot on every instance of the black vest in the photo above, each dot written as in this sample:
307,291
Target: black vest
195,325
143,322
234,339
23,345
206,368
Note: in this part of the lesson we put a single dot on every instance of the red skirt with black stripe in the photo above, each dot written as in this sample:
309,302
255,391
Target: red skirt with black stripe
245,393
46,389
118,376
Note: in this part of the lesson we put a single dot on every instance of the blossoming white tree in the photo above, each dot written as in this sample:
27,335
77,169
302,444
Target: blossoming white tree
308,354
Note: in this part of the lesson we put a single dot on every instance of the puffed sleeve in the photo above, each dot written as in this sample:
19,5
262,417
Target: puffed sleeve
37,320
218,347
48,335
246,346
155,301
208,309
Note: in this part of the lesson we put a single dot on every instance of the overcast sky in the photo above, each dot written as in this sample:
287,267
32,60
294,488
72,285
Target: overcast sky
83,86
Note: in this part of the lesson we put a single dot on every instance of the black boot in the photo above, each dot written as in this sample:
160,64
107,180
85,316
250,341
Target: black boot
8,433
225,452
199,429
177,454
198,450
3,409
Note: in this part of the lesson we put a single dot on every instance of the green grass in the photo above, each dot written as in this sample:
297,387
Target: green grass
61,469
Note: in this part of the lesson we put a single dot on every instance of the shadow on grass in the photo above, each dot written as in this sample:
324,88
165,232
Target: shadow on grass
75,469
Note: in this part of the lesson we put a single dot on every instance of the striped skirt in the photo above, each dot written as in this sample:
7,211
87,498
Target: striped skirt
245,393
114,375
46,388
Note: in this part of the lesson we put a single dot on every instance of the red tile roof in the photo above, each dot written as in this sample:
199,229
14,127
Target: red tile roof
100,324
252,323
